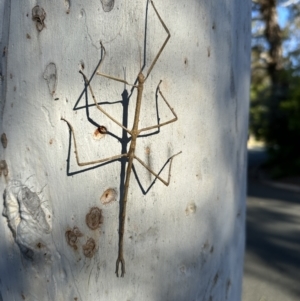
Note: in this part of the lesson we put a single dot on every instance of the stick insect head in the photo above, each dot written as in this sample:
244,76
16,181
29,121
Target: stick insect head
141,78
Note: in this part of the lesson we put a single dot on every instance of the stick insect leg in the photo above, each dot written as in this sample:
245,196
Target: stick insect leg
90,162
164,123
100,108
155,174
164,44
108,76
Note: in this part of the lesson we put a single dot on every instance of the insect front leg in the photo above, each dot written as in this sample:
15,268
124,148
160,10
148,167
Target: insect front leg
79,163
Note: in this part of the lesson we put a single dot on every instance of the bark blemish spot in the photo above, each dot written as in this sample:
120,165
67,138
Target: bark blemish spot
50,75
67,6
4,140
232,84
108,196
3,168
89,248
215,279
107,5
190,209
100,132
94,218
28,36
228,284
72,237
39,245
38,15
208,51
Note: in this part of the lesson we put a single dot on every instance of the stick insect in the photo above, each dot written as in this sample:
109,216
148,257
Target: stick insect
134,133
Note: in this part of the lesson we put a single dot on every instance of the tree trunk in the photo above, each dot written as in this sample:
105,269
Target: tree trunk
273,36
59,229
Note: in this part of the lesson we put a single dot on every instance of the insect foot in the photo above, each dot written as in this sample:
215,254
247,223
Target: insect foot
122,261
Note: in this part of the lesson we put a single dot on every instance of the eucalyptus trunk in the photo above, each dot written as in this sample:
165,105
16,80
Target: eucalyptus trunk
59,229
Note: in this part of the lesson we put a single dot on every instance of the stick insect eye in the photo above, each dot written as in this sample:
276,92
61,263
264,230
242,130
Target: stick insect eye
102,129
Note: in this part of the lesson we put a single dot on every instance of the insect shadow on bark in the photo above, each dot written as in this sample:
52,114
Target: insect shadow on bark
128,136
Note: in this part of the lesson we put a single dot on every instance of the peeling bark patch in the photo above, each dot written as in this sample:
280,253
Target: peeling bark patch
107,5
50,75
72,237
27,216
94,218
89,248
3,168
4,140
38,15
108,196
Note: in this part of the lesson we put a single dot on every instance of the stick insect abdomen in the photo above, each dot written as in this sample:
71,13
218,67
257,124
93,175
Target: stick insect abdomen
134,135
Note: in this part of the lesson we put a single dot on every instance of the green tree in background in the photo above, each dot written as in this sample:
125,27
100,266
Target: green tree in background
275,87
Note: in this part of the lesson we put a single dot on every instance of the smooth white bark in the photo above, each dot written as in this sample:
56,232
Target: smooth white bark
182,242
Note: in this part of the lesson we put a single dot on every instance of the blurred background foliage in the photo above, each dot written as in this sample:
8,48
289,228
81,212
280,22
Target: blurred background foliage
275,83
